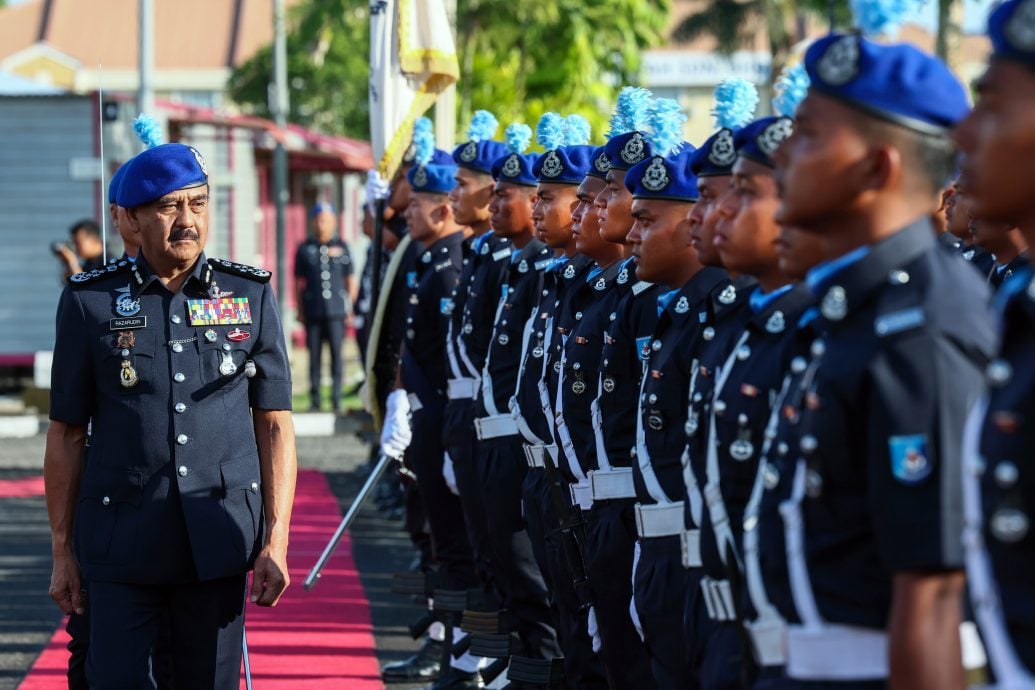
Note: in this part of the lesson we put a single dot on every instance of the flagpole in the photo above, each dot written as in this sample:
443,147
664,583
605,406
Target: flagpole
278,95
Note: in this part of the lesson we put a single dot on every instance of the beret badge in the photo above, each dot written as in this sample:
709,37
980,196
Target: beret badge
1020,29
840,63
633,151
552,166
723,152
656,178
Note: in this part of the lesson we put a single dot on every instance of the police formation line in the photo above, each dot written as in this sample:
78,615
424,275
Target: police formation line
735,415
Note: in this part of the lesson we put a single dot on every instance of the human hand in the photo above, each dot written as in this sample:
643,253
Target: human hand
66,585
270,577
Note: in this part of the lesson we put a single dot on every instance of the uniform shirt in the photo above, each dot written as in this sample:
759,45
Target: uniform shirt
424,370
658,475
524,280
171,488
564,317
1007,492
593,301
752,376
906,334
982,259
630,326
532,369
393,323
1000,273
476,302
324,268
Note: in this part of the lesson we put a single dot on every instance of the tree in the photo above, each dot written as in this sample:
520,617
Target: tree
517,60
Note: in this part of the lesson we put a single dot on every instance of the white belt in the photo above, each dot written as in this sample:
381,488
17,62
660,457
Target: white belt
495,426
616,482
415,404
769,640
659,520
844,652
535,454
718,599
582,494
690,544
462,389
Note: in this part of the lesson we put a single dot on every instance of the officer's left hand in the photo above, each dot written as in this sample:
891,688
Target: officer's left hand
270,577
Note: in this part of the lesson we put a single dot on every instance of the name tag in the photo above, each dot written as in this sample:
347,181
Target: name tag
127,324
225,311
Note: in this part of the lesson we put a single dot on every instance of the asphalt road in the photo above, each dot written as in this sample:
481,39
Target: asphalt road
28,617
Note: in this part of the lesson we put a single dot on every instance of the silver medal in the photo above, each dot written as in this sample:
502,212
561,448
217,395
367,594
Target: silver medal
227,366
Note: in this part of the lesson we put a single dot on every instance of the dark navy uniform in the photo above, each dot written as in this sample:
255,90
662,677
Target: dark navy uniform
981,259
473,307
906,333
169,518
659,578
324,268
501,462
425,379
1001,273
998,494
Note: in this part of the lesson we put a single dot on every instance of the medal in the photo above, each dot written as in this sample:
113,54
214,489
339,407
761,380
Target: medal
227,366
237,335
742,449
128,376
210,336
609,385
249,369
578,387
125,339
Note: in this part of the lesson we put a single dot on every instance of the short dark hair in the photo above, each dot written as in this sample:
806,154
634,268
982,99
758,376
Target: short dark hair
931,156
85,225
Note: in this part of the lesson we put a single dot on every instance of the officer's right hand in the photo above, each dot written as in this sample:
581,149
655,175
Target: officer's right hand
396,433
66,586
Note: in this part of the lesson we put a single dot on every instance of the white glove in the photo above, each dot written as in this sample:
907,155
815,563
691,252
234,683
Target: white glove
396,434
449,474
594,629
377,189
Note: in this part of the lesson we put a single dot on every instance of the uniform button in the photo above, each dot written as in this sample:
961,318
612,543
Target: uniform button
180,407
106,501
254,487
545,293
1006,474
999,372
708,333
326,294
182,439
782,448
182,471
578,316
898,277
809,444
177,347
656,345
742,419
226,347
175,318
798,365
818,348
179,377
813,484
719,406
743,353
698,397
125,352
326,275
652,398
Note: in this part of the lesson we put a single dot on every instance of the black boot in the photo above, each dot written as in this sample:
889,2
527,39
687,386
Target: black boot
422,666
455,679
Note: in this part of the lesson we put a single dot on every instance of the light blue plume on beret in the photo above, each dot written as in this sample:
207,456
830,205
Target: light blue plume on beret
148,131
576,130
631,111
549,133
665,131
518,136
875,17
735,102
791,88
423,141
483,126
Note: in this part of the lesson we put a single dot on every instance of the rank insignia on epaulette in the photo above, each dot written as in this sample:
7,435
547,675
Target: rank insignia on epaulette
600,284
728,295
569,272
776,323
623,276
250,272
683,305
522,266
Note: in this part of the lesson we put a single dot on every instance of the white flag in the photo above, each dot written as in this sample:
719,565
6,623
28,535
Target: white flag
412,60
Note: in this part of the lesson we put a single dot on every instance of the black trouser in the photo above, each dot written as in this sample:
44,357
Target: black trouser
610,542
502,467
317,332
205,623
582,667
714,648
659,586
774,680
451,551
459,439
78,630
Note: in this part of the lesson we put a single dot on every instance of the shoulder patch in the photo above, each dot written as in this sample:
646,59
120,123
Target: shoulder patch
259,275
110,269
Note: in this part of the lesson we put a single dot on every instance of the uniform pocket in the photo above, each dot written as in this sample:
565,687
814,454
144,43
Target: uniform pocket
108,514
242,504
126,371
221,360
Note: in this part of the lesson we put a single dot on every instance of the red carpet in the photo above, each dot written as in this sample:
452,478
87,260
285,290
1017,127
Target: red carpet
29,487
318,639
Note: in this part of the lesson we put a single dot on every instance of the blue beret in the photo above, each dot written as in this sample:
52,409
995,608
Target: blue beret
759,140
516,168
1011,27
716,156
479,155
155,172
898,82
564,165
115,181
600,164
667,179
320,207
626,150
432,178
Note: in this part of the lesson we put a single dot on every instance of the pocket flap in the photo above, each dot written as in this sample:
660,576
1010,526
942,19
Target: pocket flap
115,485
240,473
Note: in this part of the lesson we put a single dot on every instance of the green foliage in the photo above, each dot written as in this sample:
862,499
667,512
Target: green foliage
517,60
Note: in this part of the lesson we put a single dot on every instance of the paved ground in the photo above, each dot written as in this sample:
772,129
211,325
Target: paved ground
28,618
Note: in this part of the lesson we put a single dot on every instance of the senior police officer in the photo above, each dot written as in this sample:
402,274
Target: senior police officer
178,363
997,140
873,524
325,288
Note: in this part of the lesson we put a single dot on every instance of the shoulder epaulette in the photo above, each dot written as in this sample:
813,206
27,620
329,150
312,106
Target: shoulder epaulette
259,275
109,269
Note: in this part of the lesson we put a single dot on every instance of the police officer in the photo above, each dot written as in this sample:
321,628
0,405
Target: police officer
631,314
873,523
663,188
1006,243
180,492
998,497
325,288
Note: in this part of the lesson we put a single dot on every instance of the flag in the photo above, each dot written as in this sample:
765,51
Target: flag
412,60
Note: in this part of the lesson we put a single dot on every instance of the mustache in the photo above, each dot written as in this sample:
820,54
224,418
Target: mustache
186,234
